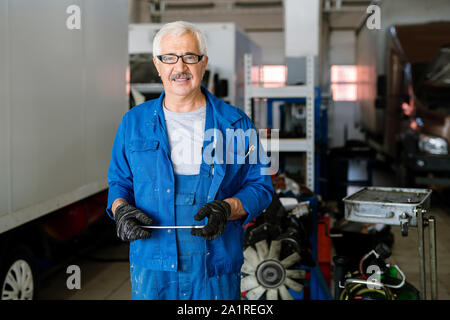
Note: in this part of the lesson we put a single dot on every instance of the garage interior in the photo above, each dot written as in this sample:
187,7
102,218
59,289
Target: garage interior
351,98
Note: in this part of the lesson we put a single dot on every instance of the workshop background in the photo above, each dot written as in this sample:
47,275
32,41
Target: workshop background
357,91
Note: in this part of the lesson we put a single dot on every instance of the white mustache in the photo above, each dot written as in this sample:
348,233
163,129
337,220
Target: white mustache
181,75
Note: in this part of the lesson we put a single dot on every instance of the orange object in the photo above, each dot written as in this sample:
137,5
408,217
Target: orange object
323,241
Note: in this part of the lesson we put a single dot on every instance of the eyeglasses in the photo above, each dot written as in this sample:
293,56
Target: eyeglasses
187,58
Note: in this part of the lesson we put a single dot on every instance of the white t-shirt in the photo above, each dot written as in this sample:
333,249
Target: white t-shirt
186,131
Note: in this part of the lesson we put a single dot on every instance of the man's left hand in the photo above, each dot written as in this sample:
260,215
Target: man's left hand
217,212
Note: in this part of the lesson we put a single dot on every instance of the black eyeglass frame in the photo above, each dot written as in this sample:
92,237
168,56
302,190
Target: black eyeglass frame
200,57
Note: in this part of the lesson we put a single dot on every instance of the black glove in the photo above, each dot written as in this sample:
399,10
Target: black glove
128,223
217,212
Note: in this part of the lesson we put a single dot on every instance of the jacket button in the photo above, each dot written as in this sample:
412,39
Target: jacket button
168,190
173,266
168,231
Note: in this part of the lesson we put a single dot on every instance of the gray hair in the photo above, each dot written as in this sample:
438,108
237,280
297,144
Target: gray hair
178,28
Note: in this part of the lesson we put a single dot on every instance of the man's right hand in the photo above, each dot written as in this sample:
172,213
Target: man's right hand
129,220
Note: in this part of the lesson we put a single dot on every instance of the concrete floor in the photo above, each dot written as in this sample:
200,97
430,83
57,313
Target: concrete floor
405,249
111,280
100,280
405,254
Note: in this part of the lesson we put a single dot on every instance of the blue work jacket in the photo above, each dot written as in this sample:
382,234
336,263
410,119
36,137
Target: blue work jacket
141,172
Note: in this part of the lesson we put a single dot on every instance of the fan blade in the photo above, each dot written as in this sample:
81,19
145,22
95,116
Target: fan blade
272,294
289,261
248,283
275,248
293,285
262,249
256,293
248,268
251,256
296,274
284,293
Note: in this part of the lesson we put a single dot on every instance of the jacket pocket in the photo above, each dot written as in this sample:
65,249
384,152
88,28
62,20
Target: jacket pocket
144,158
184,199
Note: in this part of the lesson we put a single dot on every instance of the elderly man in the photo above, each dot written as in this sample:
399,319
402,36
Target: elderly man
160,177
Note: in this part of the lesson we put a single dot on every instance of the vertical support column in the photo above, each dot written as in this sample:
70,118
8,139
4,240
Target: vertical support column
302,29
433,258
248,84
420,227
310,123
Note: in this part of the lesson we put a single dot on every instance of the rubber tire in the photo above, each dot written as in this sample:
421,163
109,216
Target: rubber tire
19,253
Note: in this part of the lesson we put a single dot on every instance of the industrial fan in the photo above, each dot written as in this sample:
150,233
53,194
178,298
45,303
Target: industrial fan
264,273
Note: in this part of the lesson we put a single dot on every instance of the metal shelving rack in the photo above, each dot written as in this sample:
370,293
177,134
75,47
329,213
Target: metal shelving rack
300,91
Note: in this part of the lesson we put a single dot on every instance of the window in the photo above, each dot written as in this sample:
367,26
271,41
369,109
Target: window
273,76
343,83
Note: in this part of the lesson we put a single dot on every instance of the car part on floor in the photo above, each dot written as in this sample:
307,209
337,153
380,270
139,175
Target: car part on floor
265,273
382,284
275,246
399,206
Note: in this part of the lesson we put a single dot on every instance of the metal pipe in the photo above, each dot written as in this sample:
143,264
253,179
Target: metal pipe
401,284
433,258
375,285
420,226
172,227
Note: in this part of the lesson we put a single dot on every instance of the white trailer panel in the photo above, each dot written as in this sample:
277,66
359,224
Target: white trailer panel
63,93
4,109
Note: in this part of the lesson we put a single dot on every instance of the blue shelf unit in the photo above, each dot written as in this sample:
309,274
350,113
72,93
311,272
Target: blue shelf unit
318,288
320,137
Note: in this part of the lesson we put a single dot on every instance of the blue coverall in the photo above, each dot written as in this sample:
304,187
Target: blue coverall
141,172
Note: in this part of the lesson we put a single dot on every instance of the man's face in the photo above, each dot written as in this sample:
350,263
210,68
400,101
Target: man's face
182,85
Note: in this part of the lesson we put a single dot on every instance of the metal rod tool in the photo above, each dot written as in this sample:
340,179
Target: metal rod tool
173,227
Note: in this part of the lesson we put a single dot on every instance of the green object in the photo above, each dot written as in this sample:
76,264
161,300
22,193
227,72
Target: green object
392,272
407,292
